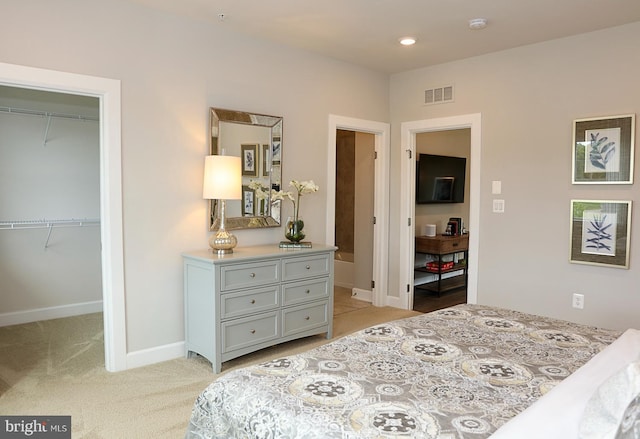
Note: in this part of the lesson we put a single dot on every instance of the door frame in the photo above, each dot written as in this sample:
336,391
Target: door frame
381,132
408,131
108,93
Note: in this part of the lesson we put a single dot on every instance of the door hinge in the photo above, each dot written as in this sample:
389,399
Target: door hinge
409,222
373,284
408,287
410,153
374,220
375,155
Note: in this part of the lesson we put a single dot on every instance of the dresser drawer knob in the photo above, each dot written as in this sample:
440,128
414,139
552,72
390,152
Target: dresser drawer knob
308,291
252,275
253,331
307,318
253,301
308,267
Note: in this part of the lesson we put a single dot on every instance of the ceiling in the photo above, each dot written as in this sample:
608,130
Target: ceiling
366,32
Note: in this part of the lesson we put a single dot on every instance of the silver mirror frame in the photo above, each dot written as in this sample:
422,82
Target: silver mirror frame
274,123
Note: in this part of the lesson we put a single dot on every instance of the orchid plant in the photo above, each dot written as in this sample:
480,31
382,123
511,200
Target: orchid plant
301,188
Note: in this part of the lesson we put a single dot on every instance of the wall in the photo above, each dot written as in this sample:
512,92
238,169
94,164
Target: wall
454,143
55,181
172,70
528,98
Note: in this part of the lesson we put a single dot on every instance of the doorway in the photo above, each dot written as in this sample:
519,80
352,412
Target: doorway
111,231
409,130
380,132
354,228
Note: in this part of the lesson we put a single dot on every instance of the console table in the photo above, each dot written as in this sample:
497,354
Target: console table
441,246
254,298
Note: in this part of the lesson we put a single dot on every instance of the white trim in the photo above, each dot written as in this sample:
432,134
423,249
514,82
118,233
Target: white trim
156,354
54,312
108,92
408,131
364,295
381,132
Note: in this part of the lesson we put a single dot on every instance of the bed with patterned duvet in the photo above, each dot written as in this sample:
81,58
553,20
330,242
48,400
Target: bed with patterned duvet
460,372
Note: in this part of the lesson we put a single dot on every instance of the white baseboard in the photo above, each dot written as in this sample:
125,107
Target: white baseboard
54,312
154,355
395,302
364,295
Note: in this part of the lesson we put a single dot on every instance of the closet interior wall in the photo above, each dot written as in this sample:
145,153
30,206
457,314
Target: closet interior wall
50,258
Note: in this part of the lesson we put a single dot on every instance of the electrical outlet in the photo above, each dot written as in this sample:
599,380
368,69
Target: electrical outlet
578,300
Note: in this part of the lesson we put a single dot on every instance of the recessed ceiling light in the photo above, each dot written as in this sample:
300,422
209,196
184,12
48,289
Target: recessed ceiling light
407,41
478,23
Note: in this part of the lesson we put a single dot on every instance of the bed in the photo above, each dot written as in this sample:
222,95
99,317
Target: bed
461,372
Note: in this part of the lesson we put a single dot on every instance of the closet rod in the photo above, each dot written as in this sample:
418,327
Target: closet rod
11,110
48,224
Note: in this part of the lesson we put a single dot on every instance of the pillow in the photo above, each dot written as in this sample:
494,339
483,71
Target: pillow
612,410
630,426
557,414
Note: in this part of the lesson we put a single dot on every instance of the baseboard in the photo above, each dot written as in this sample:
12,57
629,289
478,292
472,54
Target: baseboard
360,294
346,285
154,355
395,302
54,312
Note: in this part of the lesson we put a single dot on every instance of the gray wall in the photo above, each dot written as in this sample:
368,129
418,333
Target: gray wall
56,181
528,98
172,70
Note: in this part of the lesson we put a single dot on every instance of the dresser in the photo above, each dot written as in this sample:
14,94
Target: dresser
254,298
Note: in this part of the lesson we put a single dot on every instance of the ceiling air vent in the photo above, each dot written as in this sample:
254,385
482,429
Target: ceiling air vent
438,95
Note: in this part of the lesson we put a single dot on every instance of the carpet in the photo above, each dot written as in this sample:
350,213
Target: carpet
56,367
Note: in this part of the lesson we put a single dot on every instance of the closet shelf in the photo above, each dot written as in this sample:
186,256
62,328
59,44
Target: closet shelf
12,110
47,224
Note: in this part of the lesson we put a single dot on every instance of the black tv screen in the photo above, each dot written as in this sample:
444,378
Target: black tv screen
440,179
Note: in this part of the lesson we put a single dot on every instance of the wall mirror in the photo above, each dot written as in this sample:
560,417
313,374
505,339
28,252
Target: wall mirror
257,140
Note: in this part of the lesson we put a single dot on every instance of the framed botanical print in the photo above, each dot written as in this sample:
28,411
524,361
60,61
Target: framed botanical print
603,150
248,201
600,232
249,160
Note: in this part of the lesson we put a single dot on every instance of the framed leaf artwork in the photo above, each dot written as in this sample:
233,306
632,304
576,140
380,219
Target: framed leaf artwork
603,150
600,232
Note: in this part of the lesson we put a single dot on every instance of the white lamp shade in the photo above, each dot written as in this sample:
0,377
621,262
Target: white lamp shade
222,178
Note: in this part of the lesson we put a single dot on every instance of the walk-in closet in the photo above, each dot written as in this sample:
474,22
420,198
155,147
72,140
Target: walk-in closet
50,258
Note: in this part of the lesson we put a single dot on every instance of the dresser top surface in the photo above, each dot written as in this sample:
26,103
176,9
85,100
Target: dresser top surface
259,251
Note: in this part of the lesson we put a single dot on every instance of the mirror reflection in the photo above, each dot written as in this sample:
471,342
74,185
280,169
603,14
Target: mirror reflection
257,140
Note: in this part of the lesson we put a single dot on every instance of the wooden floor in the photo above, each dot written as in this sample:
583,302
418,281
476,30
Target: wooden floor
425,301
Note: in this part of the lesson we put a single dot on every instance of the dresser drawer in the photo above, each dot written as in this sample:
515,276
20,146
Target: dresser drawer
301,318
248,331
249,275
305,266
305,291
252,301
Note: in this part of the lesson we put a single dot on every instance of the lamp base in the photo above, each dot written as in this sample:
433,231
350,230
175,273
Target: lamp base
223,242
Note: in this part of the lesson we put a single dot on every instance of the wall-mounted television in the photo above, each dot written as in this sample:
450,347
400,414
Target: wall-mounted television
440,179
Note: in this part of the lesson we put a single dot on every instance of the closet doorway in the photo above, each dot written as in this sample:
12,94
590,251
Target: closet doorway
50,203
111,231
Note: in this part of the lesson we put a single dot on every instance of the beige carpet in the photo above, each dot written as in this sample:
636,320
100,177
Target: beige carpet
56,367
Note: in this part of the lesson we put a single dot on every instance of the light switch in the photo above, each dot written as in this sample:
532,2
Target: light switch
496,187
498,206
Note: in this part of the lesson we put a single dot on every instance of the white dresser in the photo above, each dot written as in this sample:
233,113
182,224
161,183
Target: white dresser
254,298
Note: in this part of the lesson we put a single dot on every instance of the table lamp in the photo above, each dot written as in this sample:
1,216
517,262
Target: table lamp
222,181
